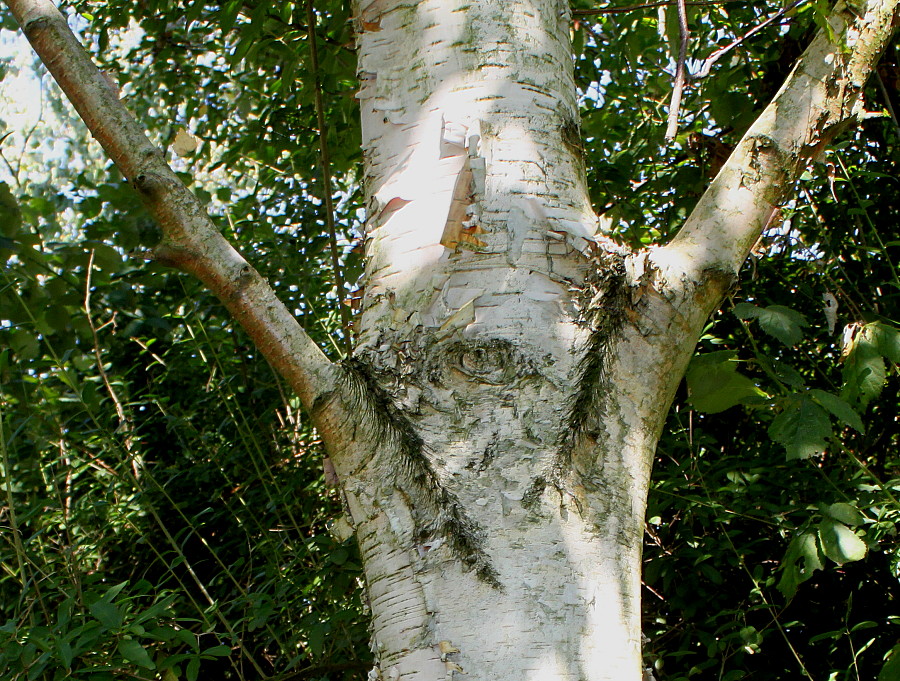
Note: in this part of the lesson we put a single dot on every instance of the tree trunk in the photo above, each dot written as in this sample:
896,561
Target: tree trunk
516,366
519,406
495,429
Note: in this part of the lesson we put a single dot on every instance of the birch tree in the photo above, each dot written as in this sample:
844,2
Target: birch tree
494,429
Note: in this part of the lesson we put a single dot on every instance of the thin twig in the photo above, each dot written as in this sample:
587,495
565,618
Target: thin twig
704,70
326,177
648,5
124,423
675,104
887,99
9,167
865,469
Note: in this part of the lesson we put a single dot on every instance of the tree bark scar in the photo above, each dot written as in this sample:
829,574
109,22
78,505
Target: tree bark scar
603,302
37,25
437,509
171,256
149,185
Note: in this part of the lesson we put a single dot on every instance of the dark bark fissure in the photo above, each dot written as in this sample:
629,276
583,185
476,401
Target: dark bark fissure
603,302
437,509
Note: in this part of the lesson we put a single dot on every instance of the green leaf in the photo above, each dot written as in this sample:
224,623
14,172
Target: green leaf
114,591
24,344
339,556
802,427
840,543
805,548
862,626
134,652
844,513
715,385
156,609
864,370
316,639
106,258
188,638
218,651
228,14
64,611
778,321
10,215
891,669
886,339
65,653
108,614
785,372
839,408
162,633
193,669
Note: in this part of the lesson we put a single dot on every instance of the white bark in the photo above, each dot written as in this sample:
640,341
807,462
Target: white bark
450,89
480,227
531,363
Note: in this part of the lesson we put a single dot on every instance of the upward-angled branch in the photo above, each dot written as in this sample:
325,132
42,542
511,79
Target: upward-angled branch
190,240
818,100
680,70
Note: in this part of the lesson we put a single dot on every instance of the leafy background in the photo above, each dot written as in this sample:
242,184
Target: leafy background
163,509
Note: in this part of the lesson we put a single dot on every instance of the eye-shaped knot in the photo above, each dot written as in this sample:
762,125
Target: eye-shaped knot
491,362
481,360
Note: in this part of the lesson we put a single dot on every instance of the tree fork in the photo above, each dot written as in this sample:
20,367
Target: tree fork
479,232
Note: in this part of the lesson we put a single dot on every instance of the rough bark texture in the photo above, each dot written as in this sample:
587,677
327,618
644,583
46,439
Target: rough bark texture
495,431
505,336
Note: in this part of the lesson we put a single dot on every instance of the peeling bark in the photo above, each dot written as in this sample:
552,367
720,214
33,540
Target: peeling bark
484,324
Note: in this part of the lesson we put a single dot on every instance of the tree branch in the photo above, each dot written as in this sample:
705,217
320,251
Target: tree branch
707,65
684,34
817,101
190,240
609,9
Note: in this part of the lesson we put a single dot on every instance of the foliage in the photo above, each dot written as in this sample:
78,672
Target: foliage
164,512
773,526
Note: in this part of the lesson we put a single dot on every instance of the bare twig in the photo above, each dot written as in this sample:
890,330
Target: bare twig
715,56
675,104
887,98
326,177
124,423
649,5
